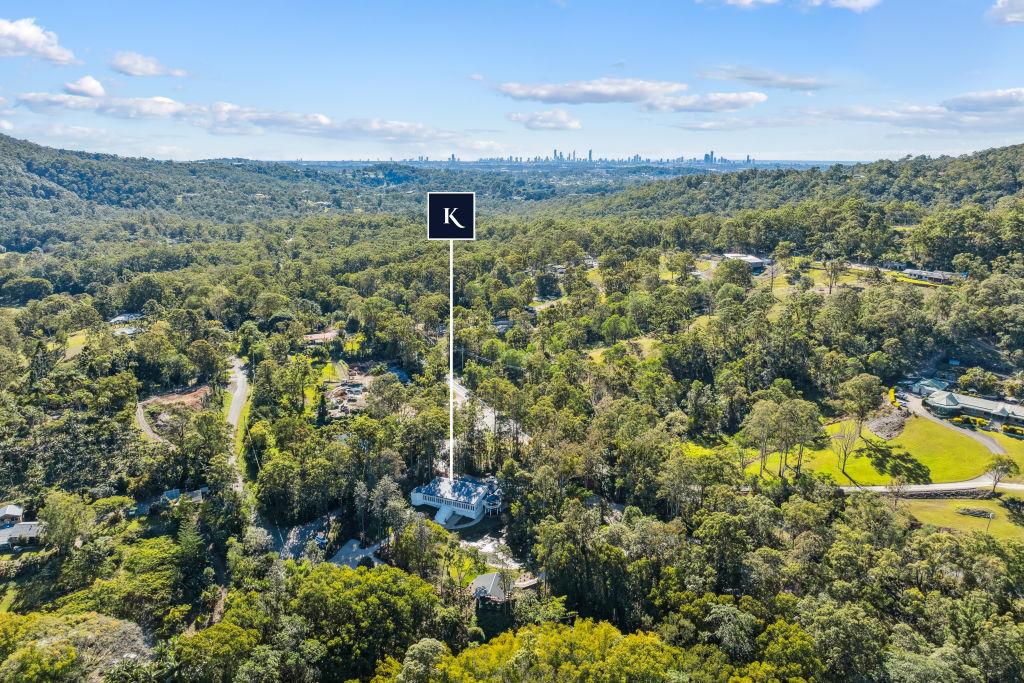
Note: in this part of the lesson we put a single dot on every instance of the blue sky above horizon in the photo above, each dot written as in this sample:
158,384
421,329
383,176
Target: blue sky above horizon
776,79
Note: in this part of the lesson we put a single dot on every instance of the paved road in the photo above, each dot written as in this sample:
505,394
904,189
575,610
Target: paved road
239,388
914,403
983,481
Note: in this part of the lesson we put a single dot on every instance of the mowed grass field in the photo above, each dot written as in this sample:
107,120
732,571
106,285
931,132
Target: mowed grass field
926,452
943,513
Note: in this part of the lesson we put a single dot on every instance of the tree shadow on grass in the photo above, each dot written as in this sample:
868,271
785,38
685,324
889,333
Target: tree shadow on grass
886,459
1014,509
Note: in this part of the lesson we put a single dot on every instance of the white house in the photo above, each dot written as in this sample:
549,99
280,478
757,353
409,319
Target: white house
756,264
461,496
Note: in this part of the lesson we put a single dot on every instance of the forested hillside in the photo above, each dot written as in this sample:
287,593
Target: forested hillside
679,440
982,178
49,194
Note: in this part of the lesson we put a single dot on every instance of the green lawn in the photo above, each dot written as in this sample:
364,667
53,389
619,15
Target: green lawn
243,419
594,276
1014,448
942,512
925,452
10,593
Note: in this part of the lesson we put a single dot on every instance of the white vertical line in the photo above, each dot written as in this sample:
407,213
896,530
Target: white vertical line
451,359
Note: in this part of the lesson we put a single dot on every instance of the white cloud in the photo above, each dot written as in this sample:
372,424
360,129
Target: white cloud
476,77
599,90
555,119
854,5
749,3
6,125
735,123
717,101
987,100
118,107
763,78
1007,11
25,38
134,64
224,118
86,86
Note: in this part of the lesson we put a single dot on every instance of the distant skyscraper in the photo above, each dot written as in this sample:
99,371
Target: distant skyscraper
590,155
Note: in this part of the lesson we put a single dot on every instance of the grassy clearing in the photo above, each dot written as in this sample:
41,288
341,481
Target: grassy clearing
325,373
594,277
10,593
943,513
648,347
925,452
243,419
1014,448
76,342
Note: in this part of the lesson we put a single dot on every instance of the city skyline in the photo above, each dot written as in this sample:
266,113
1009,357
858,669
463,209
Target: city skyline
775,79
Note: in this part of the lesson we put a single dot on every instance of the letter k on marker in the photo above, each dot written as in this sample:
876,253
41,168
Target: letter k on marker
449,217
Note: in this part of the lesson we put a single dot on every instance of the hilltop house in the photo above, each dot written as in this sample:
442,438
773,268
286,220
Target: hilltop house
460,496
173,496
319,338
488,588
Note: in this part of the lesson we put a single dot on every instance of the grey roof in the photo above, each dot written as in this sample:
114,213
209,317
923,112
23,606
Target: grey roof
932,383
11,510
488,586
747,258
126,318
459,489
948,399
19,530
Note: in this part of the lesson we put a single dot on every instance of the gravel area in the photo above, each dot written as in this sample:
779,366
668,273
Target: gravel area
888,424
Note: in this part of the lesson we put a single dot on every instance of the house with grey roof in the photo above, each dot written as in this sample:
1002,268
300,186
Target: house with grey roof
756,264
928,385
11,514
950,404
488,588
22,533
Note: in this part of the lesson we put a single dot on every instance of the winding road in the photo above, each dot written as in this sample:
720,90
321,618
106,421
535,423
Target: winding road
982,481
916,406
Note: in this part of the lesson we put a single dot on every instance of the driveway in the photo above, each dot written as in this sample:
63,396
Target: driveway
916,406
983,481
489,416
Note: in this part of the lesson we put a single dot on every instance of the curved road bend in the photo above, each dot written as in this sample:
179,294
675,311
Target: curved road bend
916,406
982,481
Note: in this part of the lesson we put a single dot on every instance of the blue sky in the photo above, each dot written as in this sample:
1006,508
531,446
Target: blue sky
782,79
